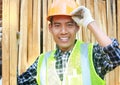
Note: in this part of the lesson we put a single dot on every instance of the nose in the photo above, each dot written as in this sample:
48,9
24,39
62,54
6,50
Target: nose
64,30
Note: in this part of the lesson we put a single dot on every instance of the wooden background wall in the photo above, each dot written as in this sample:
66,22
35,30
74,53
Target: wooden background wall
25,33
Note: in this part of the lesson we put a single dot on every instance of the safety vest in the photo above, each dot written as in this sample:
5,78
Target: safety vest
79,69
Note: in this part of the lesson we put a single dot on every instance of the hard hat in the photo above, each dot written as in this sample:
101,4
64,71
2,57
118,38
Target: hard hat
61,7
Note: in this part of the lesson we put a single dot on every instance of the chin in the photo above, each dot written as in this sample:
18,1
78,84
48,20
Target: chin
65,47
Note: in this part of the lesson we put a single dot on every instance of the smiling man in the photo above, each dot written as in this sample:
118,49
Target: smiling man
64,30
73,62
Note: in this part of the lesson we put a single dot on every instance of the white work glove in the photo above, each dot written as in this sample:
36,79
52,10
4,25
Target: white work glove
82,16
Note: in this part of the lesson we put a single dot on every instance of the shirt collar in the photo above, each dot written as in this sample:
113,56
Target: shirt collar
59,52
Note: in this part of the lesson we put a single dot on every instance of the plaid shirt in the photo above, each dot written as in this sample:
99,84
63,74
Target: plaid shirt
104,59
61,61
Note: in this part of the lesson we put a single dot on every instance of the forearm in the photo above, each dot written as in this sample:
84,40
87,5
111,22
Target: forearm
101,37
87,21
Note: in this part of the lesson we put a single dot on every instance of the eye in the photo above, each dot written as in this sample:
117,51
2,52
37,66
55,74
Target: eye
56,25
70,24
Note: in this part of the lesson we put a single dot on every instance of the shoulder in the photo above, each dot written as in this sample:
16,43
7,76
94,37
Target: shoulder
46,54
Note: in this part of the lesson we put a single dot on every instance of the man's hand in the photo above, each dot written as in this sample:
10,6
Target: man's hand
82,16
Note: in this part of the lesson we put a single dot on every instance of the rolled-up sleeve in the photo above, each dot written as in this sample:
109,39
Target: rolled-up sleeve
28,77
106,58
113,51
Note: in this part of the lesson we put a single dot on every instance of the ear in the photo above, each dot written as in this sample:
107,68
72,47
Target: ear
50,27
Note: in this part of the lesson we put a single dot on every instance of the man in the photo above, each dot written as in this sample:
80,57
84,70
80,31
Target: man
73,62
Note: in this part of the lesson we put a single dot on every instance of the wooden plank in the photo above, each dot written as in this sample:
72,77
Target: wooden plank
36,32
109,25
23,36
49,3
114,18
5,43
97,12
118,32
91,8
111,33
30,30
88,36
14,18
116,71
102,7
112,78
84,31
117,76
118,19
81,2
107,79
111,18
45,30
39,23
0,10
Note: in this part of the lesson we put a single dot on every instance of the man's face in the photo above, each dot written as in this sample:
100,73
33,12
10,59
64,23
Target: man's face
64,30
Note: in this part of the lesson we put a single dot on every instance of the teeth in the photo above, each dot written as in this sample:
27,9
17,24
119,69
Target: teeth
64,39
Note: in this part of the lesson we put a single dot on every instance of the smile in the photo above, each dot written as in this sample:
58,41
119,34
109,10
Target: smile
64,39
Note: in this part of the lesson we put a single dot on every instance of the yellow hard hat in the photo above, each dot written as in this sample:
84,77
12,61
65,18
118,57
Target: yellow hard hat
61,7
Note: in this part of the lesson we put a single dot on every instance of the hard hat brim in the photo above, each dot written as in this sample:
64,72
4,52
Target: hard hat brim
49,18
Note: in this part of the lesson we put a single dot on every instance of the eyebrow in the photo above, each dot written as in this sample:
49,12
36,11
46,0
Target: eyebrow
65,22
56,22
71,22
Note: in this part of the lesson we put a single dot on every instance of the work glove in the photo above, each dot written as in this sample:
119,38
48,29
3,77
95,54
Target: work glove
82,16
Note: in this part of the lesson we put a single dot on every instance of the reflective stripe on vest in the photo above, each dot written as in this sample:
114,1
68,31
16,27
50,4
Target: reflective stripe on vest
85,64
41,68
82,65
